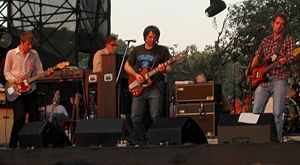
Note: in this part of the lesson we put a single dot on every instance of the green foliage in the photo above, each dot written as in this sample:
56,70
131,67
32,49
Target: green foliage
226,61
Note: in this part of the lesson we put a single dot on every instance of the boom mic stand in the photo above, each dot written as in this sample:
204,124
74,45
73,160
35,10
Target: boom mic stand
118,76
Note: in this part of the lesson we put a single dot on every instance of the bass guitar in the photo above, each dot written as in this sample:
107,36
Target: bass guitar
14,90
258,74
136,88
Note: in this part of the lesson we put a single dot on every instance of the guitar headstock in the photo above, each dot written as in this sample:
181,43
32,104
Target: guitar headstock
296,52
62,65
181,56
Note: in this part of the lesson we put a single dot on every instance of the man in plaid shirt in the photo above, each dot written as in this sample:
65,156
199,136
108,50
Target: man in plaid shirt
275,47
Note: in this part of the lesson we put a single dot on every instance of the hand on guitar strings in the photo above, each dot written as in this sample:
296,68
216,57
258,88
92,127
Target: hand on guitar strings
162,68
50,71
139,78
282,61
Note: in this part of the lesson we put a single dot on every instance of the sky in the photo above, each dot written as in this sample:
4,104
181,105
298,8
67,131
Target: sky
181,22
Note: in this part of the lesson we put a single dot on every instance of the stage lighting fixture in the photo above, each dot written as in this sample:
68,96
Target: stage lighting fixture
216,6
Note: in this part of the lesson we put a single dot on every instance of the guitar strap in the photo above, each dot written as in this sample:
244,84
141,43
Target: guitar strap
279,45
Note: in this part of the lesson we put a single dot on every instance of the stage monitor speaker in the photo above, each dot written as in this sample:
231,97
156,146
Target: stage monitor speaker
174,131
6,122
231,131
42,134
96,132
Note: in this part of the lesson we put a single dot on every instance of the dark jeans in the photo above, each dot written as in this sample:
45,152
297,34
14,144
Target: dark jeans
22,105
150,100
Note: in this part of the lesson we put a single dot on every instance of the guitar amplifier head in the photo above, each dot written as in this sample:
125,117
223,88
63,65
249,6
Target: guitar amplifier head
199,92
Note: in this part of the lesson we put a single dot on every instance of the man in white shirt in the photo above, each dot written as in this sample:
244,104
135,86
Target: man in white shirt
22,63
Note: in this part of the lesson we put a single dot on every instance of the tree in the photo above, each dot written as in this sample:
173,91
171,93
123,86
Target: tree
243,28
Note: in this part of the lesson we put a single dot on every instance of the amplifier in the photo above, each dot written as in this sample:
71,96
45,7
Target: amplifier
198,92
204,114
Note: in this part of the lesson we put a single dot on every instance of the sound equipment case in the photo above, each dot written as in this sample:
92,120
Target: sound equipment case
205,114
199,92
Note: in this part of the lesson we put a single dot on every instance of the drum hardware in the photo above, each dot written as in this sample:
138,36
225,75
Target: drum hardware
291,116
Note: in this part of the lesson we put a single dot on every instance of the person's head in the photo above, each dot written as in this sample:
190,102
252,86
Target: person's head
26,39
278,23
111,43
151,35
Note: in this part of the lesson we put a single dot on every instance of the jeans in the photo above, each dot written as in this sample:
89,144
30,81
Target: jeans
150,100
277,90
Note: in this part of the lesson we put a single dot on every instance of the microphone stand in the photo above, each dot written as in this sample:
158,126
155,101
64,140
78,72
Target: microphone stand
118,77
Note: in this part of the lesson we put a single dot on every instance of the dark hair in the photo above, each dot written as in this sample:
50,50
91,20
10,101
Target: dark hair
152,29
281,15
110,38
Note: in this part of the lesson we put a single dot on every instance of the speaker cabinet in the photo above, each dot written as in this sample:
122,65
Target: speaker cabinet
6,122
198,92
178,130
97,132
231,131
204,114
42,134
102,86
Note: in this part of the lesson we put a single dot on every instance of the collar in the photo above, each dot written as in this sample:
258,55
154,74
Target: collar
18,51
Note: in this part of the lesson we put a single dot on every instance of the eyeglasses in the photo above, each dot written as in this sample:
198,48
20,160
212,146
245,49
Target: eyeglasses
114,45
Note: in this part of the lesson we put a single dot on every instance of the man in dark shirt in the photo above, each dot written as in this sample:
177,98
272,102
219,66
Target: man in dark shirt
148,56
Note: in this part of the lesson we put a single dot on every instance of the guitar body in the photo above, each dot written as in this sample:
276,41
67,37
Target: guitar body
13,90
257,74
136,88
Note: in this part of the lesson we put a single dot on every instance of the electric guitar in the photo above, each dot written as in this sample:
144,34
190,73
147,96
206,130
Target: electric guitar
136,88
258,74
14,90
75,110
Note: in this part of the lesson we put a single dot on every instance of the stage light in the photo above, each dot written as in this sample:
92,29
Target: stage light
5,39
216,6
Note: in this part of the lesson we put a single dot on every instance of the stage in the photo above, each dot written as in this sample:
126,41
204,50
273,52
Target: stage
252,154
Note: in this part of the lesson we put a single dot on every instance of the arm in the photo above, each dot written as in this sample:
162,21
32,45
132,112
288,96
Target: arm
38,66
7,69
97,67
128,68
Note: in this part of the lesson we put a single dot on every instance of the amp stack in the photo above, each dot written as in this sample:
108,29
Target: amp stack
202,102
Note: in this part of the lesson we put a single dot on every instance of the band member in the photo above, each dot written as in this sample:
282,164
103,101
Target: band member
21,63
275,47
151,55
110,47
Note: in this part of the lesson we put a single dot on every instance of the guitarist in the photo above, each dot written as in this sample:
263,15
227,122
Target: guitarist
151,100
23,62
277,47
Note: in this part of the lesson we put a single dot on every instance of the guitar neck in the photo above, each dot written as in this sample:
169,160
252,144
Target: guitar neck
155,70
31,79
267,68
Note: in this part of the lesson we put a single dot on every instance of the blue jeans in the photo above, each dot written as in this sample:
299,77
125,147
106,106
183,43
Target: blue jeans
277,90
150,100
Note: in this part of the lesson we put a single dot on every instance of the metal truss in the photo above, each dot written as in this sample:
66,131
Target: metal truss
63,29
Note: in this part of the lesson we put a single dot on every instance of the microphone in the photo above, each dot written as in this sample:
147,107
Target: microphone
130,41
260,28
